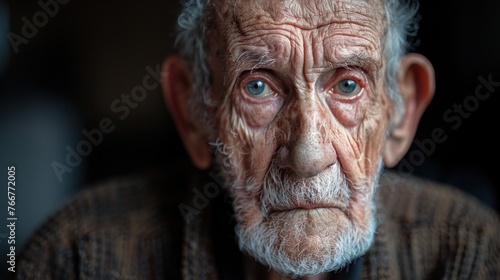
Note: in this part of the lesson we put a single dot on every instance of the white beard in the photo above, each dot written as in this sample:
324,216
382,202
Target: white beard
287,247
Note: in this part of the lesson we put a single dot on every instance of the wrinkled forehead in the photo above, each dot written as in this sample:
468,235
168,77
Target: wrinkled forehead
304,14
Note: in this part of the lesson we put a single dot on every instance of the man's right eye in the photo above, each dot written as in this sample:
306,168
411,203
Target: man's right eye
257,88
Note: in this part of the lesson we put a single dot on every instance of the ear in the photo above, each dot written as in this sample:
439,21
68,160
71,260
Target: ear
177,88
417,84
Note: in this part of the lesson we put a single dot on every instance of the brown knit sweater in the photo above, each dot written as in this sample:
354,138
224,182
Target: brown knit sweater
132,228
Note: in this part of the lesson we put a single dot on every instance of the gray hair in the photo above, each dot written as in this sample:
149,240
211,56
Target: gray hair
401,24
402,21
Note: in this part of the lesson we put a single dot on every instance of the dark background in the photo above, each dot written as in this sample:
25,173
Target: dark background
65,78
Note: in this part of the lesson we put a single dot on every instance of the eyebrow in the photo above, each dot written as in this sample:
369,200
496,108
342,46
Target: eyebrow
368,64
253,60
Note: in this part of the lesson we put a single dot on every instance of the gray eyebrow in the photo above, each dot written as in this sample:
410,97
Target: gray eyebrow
370,65
358,60
249,60
253,60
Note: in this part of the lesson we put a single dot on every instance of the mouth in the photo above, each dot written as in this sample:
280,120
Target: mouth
307,206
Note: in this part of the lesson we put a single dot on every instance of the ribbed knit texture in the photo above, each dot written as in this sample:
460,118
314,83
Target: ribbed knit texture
131,228
430,231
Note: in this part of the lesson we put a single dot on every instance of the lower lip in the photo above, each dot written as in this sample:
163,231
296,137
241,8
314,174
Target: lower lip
319,210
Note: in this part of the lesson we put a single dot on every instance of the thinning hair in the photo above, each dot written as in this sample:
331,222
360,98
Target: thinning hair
402,21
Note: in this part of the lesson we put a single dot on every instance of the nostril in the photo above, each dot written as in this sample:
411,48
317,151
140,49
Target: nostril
282,157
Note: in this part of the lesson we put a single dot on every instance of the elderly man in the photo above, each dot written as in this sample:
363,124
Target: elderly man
289,111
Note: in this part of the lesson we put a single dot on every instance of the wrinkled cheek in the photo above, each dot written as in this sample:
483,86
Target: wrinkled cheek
242,187
245,153
361,209
241,159
375,128
350,141
349,114
246,201
374,150
359,151
257,115
254,127
249,216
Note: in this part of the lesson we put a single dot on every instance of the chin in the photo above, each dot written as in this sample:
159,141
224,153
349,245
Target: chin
306,242
304,226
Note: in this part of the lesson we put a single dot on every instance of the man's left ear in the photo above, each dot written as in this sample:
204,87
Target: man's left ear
417,84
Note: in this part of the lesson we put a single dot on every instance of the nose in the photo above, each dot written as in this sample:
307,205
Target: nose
309,151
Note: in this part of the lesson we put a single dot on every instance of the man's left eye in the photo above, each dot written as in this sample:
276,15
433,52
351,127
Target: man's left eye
348,86
256,87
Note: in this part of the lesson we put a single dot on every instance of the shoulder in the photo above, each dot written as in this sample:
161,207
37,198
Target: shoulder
415,200
115,222
439,227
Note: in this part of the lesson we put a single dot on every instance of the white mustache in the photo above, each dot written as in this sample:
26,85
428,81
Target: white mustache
283,190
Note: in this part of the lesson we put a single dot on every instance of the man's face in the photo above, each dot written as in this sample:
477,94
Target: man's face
301,117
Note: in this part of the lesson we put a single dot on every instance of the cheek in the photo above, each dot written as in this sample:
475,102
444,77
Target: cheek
363,129
257,115
257,132
349,113
248,136
261,154
376,127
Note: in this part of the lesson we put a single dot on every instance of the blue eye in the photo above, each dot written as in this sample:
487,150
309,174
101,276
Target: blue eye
347,86
256,87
